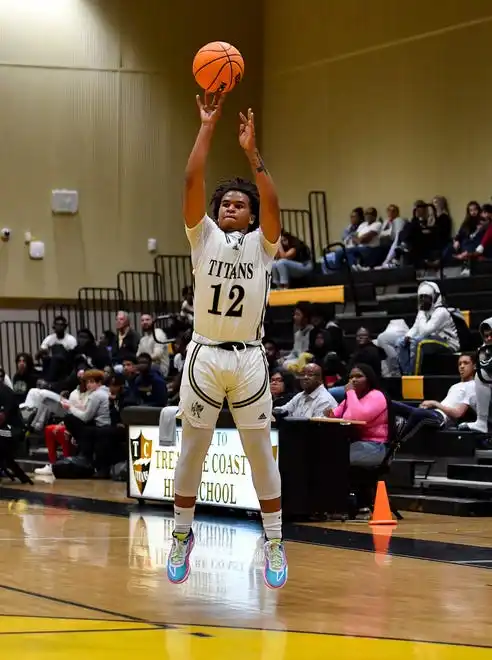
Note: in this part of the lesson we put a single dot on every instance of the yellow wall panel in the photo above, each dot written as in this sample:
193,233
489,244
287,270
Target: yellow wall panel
378,102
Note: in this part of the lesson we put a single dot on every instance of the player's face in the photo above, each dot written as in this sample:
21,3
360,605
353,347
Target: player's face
277,386
146,322
487,335
358,381
466,368
234,211
310,378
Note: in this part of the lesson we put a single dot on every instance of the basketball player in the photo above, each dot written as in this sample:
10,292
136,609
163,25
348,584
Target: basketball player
232,257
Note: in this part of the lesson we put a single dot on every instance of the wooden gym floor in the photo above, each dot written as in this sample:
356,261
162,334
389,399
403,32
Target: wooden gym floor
84,576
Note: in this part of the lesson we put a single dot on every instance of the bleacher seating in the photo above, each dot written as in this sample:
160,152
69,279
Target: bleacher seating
442,472
437,472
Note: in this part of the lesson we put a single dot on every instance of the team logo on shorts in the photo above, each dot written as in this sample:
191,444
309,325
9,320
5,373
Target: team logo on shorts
196,409
141,450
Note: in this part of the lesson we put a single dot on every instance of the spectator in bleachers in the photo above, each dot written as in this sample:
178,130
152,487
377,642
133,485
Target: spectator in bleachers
57,434
129,368
90,425
10,419
440,231
180,348
483,391
434,330
468,227
282,387
365,402
25,376
366,352
323,319
366,243
461,398
333,371
272,355
148,388
114,450
314,398
390,236
414,242
475,249
484,249
56,351
299,355
187,311
153,342
4,379
126,339
333,260
388,340
95,357
60,337
293,261
321,347
107,341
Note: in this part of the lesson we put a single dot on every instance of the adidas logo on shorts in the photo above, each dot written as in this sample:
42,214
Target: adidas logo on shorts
262,416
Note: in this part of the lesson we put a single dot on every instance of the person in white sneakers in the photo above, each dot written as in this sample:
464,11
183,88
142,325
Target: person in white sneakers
232,255
56,434
483,389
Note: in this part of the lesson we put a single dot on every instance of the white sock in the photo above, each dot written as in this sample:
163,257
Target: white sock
483,394
480,425
183,519
272,524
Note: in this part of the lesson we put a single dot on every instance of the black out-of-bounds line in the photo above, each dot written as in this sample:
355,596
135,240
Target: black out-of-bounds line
72,603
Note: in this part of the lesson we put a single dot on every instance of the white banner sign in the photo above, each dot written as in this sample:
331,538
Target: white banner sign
226,479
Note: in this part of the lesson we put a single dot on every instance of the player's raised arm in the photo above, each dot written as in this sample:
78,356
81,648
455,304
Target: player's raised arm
270,210
194,203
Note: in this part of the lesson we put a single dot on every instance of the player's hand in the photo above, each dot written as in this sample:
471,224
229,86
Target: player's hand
429,405
210,107
247,136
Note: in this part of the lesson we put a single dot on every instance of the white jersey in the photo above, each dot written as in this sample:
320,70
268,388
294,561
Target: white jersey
232,282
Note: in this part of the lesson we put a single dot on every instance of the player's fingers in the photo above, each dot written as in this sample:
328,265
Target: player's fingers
199,102
243,118
219,98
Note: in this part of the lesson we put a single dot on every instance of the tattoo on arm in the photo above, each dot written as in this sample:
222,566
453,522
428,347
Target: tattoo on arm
259,163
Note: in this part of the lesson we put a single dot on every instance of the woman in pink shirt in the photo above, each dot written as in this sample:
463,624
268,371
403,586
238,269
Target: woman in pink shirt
365,402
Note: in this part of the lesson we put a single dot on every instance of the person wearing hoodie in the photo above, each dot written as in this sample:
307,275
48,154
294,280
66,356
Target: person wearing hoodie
433,331
483,390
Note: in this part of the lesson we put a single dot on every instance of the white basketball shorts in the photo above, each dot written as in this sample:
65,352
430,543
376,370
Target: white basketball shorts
211,374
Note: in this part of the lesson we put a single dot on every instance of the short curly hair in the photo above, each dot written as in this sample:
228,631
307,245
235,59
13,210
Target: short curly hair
241,185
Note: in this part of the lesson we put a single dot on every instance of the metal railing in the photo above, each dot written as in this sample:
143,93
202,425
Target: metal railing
98,307
344,263
176,272
19,337
48,312
319,221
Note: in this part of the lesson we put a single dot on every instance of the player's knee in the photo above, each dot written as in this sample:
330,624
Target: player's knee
264,470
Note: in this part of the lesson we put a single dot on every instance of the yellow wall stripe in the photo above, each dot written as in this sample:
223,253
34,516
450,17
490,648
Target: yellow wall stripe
316,294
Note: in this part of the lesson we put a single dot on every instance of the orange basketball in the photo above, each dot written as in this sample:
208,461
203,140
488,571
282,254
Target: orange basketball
218,66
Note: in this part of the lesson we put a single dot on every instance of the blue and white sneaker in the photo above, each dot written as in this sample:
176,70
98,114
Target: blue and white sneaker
178,561
276,570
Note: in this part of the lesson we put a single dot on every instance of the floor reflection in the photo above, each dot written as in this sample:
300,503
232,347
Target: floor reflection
226,559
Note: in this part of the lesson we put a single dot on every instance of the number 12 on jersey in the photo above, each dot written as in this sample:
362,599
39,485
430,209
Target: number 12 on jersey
236,295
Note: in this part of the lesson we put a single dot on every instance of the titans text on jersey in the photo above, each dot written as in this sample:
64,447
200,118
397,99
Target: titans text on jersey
232,281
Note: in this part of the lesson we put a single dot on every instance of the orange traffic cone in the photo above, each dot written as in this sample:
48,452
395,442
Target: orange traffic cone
382,511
